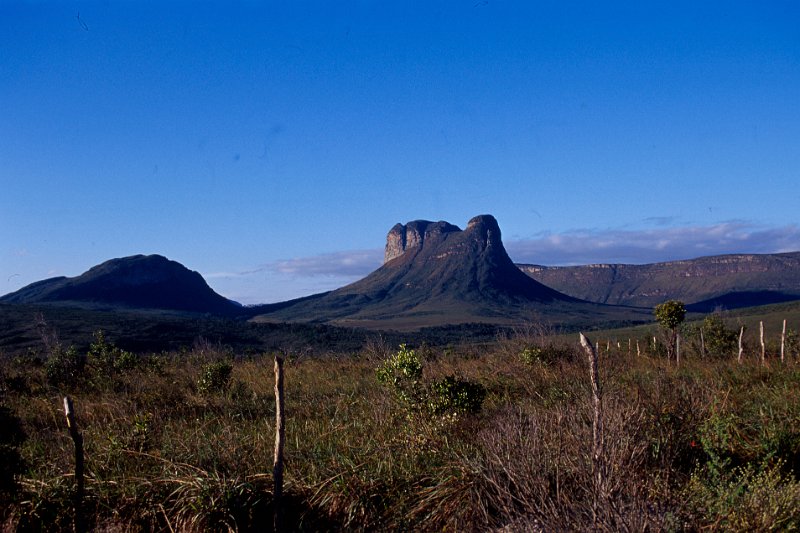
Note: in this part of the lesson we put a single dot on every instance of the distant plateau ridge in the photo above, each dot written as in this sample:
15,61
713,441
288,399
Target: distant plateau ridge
705,283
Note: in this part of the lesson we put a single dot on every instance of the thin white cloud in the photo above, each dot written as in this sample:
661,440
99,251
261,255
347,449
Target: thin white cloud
291,278
224,275
348,264
587,246
341,264
660,221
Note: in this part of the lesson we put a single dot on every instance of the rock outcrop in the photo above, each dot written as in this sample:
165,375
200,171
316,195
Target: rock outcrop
436,273
402,237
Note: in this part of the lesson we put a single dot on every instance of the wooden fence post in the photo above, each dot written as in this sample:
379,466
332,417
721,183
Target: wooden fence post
77,440
783,339
277,465
598,474
763,346
638,351
741,348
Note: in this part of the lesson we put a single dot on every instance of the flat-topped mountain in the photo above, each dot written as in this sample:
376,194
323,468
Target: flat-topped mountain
139,281
730,281
425,259
435,273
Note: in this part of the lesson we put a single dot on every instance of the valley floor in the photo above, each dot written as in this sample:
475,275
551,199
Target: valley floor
468,438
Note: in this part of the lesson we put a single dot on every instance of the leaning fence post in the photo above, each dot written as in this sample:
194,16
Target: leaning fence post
77,440
741,348
277,464
597,427
763,346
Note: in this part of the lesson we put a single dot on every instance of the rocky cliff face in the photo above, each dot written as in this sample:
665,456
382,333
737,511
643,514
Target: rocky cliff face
413,235
695,280
482,229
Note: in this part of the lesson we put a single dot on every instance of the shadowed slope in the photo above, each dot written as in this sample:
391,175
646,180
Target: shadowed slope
139,281
435,273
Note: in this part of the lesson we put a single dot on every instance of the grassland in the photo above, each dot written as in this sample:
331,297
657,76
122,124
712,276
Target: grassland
709,444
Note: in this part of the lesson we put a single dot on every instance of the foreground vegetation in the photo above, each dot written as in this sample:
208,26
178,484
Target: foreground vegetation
462,438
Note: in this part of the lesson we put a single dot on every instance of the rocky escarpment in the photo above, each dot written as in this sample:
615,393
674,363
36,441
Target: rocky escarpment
414,234
754,278
402,237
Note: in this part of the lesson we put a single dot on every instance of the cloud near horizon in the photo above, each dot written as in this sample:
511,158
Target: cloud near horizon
583,246
289,278
349,264
340,264
588,246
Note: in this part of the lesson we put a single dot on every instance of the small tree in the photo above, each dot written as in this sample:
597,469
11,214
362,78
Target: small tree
670,316
720,341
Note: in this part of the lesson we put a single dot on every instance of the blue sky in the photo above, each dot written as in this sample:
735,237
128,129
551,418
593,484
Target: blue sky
272,145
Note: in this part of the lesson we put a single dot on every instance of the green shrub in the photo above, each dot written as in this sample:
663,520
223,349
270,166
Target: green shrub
215,377
532,356
717,435
792,344
403,366
543,355
748,498
64,367
452,395
719,340
125,361
142,433
108,358
402,372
